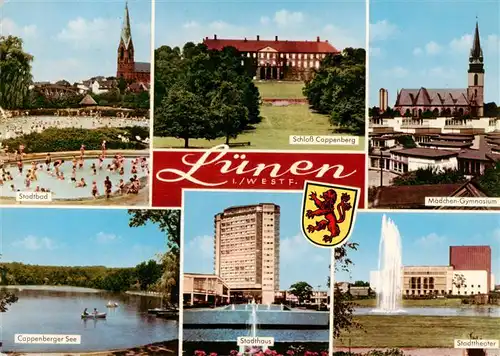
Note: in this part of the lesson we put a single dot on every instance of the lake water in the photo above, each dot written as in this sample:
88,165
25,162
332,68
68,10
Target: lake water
479,311
201,325
58,311
65,189
16,126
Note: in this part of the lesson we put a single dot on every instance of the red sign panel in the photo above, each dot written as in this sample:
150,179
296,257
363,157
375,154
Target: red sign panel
221,168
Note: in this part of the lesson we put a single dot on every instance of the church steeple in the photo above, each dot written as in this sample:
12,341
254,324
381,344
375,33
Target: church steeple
476,53
126,35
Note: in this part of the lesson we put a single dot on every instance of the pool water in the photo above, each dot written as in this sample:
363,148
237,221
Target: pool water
66,189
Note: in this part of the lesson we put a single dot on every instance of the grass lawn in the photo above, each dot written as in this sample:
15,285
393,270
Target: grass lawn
280,90
278,123
417,331
441,302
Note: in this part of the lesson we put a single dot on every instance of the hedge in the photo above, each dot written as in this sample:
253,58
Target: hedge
71,139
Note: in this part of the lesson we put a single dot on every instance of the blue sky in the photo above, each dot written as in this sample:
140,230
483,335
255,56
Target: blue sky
425,239
417,44
341,23
76,39
299,259
76,237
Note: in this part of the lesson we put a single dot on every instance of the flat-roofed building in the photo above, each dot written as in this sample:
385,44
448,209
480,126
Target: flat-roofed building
204,288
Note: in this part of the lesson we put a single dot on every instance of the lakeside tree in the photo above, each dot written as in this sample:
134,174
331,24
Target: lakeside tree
168,221
7,298
203,93
148,273
15,73
430,175
302,290
338,89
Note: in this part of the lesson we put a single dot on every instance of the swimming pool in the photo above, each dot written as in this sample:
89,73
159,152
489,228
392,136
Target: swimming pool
66,189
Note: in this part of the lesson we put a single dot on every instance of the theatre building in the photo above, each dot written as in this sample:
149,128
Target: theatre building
278,59
468,273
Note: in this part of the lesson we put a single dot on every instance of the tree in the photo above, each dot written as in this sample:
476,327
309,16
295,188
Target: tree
489,181
458,280
203,93
406,141
343,308
361,284
181,114
148,273
15,73
491,110
168,222
430,175
229,114
6,298
338,89
302,290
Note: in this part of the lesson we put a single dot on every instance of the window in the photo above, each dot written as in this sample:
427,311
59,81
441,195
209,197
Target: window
476,79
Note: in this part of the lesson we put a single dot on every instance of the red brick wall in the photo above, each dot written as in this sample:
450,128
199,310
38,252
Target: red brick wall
472,258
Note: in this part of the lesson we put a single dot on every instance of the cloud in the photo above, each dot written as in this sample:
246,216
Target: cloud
85,34
430,240
396,72
191,24
285,24
202,246
104,238
489,44
440,72
342,38
287,18
294,249
33,243
462,44
432,48
382,30
9,27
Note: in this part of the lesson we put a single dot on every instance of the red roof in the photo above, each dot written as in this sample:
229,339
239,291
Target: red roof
246,45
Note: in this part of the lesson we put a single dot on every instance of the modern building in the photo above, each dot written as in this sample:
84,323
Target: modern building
469,273
246,250
127,67
472,258
204,288
278,59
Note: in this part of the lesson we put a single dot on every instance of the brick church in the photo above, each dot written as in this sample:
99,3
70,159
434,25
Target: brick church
278,59
448,102
127,67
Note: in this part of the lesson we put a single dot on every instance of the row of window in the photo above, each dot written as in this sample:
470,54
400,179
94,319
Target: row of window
274,55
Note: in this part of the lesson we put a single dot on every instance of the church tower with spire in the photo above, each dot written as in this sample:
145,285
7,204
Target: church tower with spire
475,89
126,63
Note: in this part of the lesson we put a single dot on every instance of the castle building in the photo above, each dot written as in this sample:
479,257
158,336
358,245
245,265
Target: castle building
449,102
278,59
127,67
246,250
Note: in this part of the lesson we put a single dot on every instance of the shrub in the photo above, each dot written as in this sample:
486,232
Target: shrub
70,139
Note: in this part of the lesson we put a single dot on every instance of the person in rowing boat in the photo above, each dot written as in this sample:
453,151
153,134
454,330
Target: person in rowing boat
85,312
95,312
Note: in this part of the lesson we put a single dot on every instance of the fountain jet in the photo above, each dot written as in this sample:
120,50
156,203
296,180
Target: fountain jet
389,281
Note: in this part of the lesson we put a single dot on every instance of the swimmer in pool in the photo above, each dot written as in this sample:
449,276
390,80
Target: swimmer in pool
81,183
74,161
48,160
95,192
20,167
108,186
73,175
